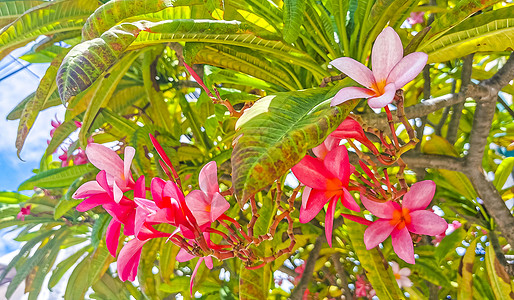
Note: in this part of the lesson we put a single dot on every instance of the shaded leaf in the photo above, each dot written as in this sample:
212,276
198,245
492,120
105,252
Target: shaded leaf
465,273
379,274
293,19
276,133
54,178
498,278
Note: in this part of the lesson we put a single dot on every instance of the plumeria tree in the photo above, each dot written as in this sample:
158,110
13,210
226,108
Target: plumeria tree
260,149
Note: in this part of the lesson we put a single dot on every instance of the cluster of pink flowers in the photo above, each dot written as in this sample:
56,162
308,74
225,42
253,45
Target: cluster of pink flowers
327,180
67,159
191,215
327,176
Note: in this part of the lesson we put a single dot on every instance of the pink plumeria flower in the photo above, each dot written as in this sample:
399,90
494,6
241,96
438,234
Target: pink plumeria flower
55,124
130,254
118,171
391,71
401,275
207,204
416,17
361,287
326,181
123,212
183,256
24,211
397,221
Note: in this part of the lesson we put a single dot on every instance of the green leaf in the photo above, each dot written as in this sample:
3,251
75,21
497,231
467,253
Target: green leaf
502,172
462,10
254,284
276,133
64,206
32,108
99,228
55,178
23,271
12,197
293,19
91,58
428,269
459,181
111,288
46,19
24,250
11,10
493,36
103,92
449,244
498,277
380,276
65,265
465,273
35,280
87,272
117,11
246,61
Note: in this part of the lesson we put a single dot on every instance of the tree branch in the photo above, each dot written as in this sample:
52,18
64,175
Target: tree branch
299,290
434,161
342,275
453,127
424,108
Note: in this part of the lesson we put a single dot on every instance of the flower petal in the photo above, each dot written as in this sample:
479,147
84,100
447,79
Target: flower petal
219,206
208,178
407,69
305,196
349,93
387,52
93,201
382,210
376,233
338,163
127,161
404,282
112,236
329,220
183,256
402,245
384,99
419,196
199,204
208,262
349,202
128,259
317,199
193,275
426,222
157,187
88,189
311,172
355,70
404,272
139,188
117,192
320,151
357,219
105,159
395,267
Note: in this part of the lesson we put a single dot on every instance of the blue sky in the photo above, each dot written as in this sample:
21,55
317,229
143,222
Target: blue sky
12,91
